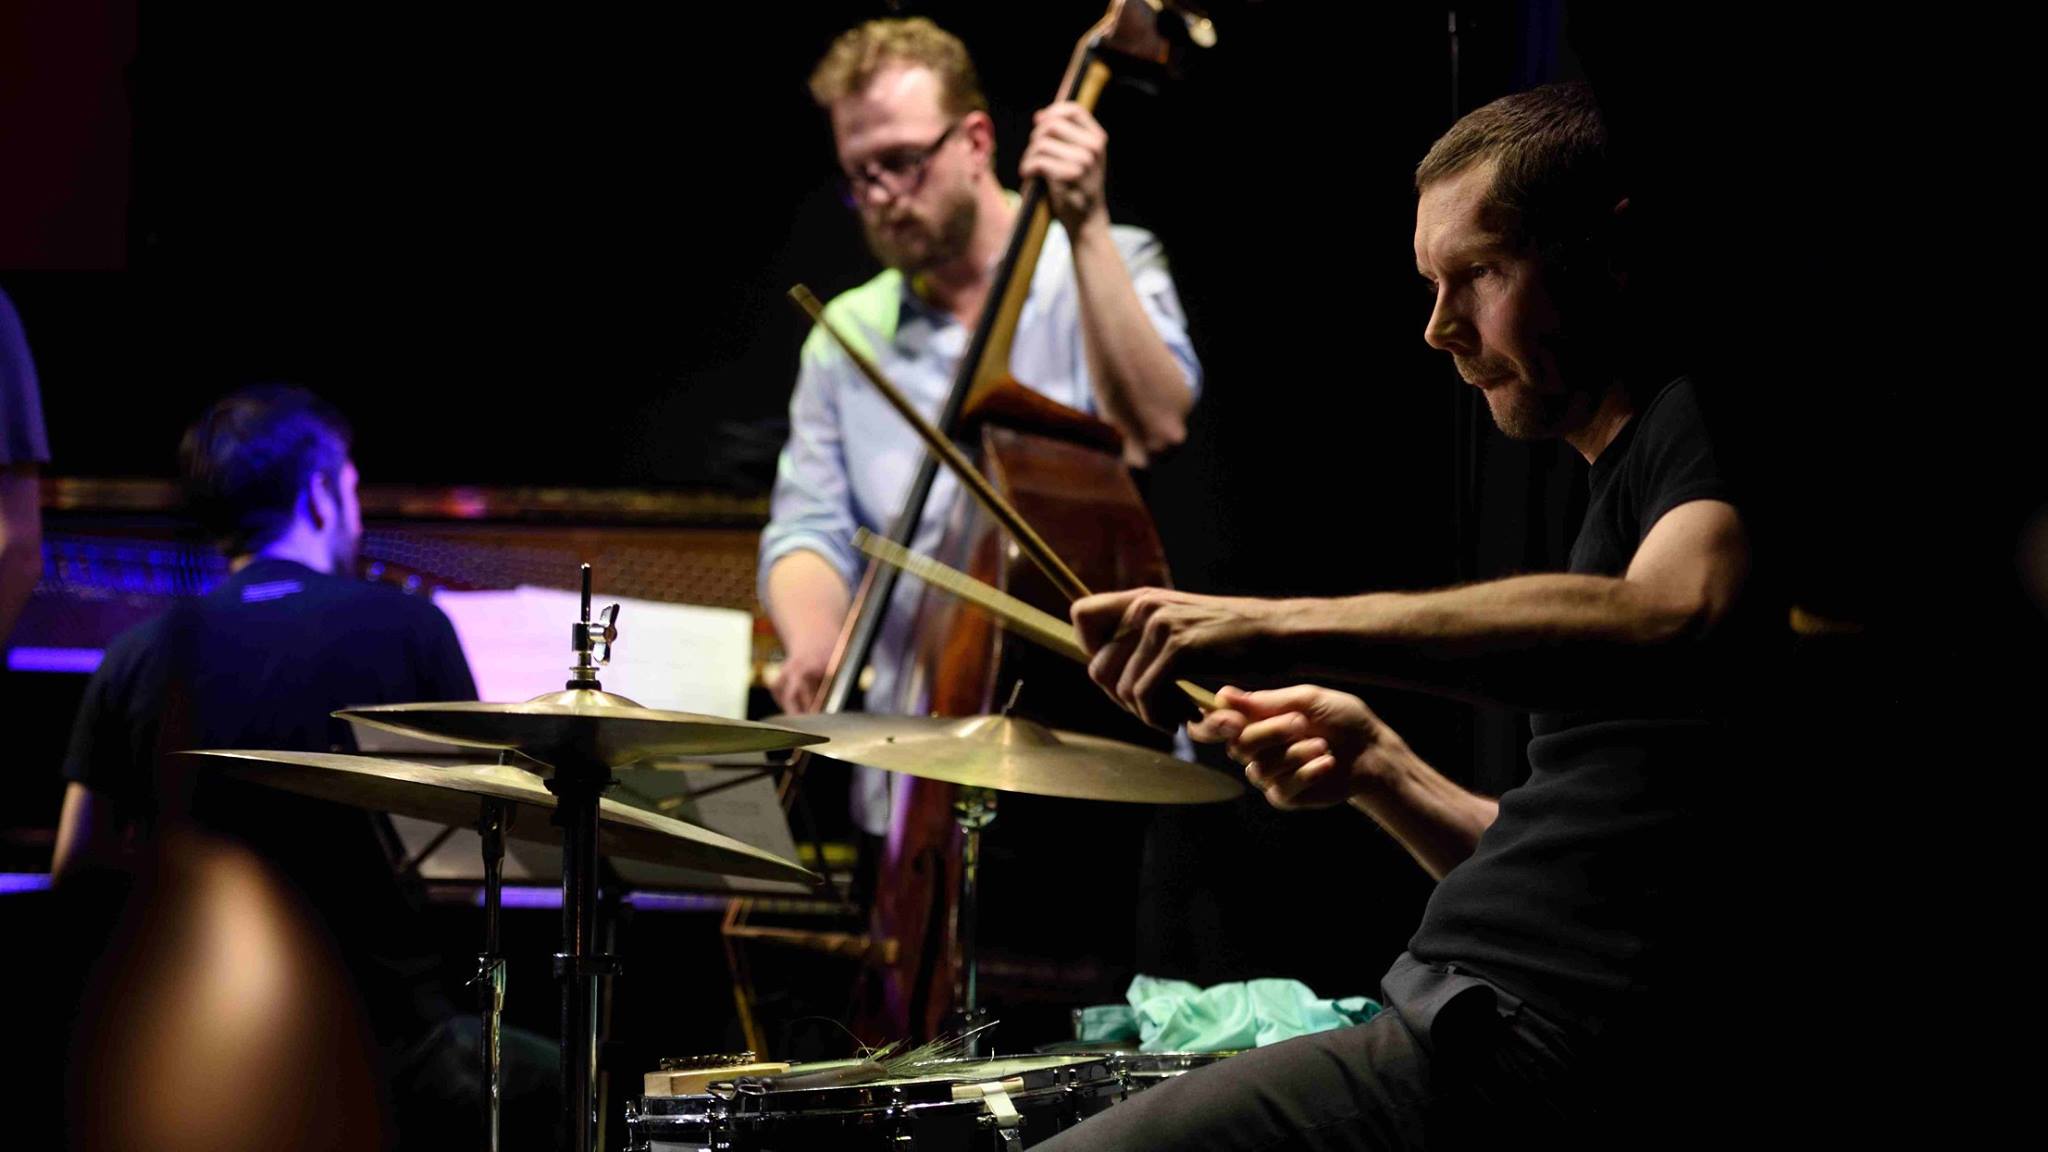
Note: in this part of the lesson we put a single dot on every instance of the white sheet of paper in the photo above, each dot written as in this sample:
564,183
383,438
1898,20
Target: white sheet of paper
679,657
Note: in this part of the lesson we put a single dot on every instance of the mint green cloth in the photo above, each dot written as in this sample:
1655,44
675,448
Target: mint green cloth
1176,1016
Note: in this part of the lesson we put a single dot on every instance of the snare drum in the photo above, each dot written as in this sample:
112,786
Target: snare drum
1000,1105
1139,1070
1142,1070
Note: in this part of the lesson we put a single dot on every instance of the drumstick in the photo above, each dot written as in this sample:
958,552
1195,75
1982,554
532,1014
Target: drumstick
1027,621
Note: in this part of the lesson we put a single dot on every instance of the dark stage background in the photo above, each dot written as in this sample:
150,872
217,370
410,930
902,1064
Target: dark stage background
551,248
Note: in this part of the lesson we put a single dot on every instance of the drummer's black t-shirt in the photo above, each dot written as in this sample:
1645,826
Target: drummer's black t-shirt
1589,890
261,662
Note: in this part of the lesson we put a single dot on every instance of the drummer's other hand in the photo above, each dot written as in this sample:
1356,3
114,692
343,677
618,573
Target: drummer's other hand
1218,725
1310,747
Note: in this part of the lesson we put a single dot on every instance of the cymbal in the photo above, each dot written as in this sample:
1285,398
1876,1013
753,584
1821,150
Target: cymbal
454,794
580,722
1010,754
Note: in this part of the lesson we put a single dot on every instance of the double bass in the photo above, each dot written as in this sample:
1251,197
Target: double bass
1064,471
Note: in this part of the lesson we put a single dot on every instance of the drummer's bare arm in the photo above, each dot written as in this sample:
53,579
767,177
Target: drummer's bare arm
807,600
1553,640
89,830
1542,641
1141,388
1310,747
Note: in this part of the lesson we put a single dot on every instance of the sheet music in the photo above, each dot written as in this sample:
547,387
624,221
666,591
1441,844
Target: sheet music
679,657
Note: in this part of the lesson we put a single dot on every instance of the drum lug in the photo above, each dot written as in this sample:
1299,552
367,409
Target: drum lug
1009,1122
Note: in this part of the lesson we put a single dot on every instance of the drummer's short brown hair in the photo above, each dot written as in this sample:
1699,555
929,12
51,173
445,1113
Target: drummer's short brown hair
1554,182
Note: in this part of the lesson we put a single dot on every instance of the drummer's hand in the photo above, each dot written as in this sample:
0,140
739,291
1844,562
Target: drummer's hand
1218,725
1140,641
1309,747
795,687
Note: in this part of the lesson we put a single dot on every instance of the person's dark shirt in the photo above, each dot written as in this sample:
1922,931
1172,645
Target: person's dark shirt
23,439
262,662
1587,889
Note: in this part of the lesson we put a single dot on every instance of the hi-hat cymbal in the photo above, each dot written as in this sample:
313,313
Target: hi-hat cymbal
579,722
1010,754
455,794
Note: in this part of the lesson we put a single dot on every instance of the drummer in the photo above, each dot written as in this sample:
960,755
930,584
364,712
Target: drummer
262,662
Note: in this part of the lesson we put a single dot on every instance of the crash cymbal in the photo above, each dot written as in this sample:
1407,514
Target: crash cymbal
1010,754
580,722
454,795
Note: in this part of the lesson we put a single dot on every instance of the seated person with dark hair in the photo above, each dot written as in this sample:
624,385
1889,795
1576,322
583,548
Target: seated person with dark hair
262,662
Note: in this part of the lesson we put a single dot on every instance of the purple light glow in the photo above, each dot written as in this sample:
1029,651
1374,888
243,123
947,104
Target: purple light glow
54,659
537,896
